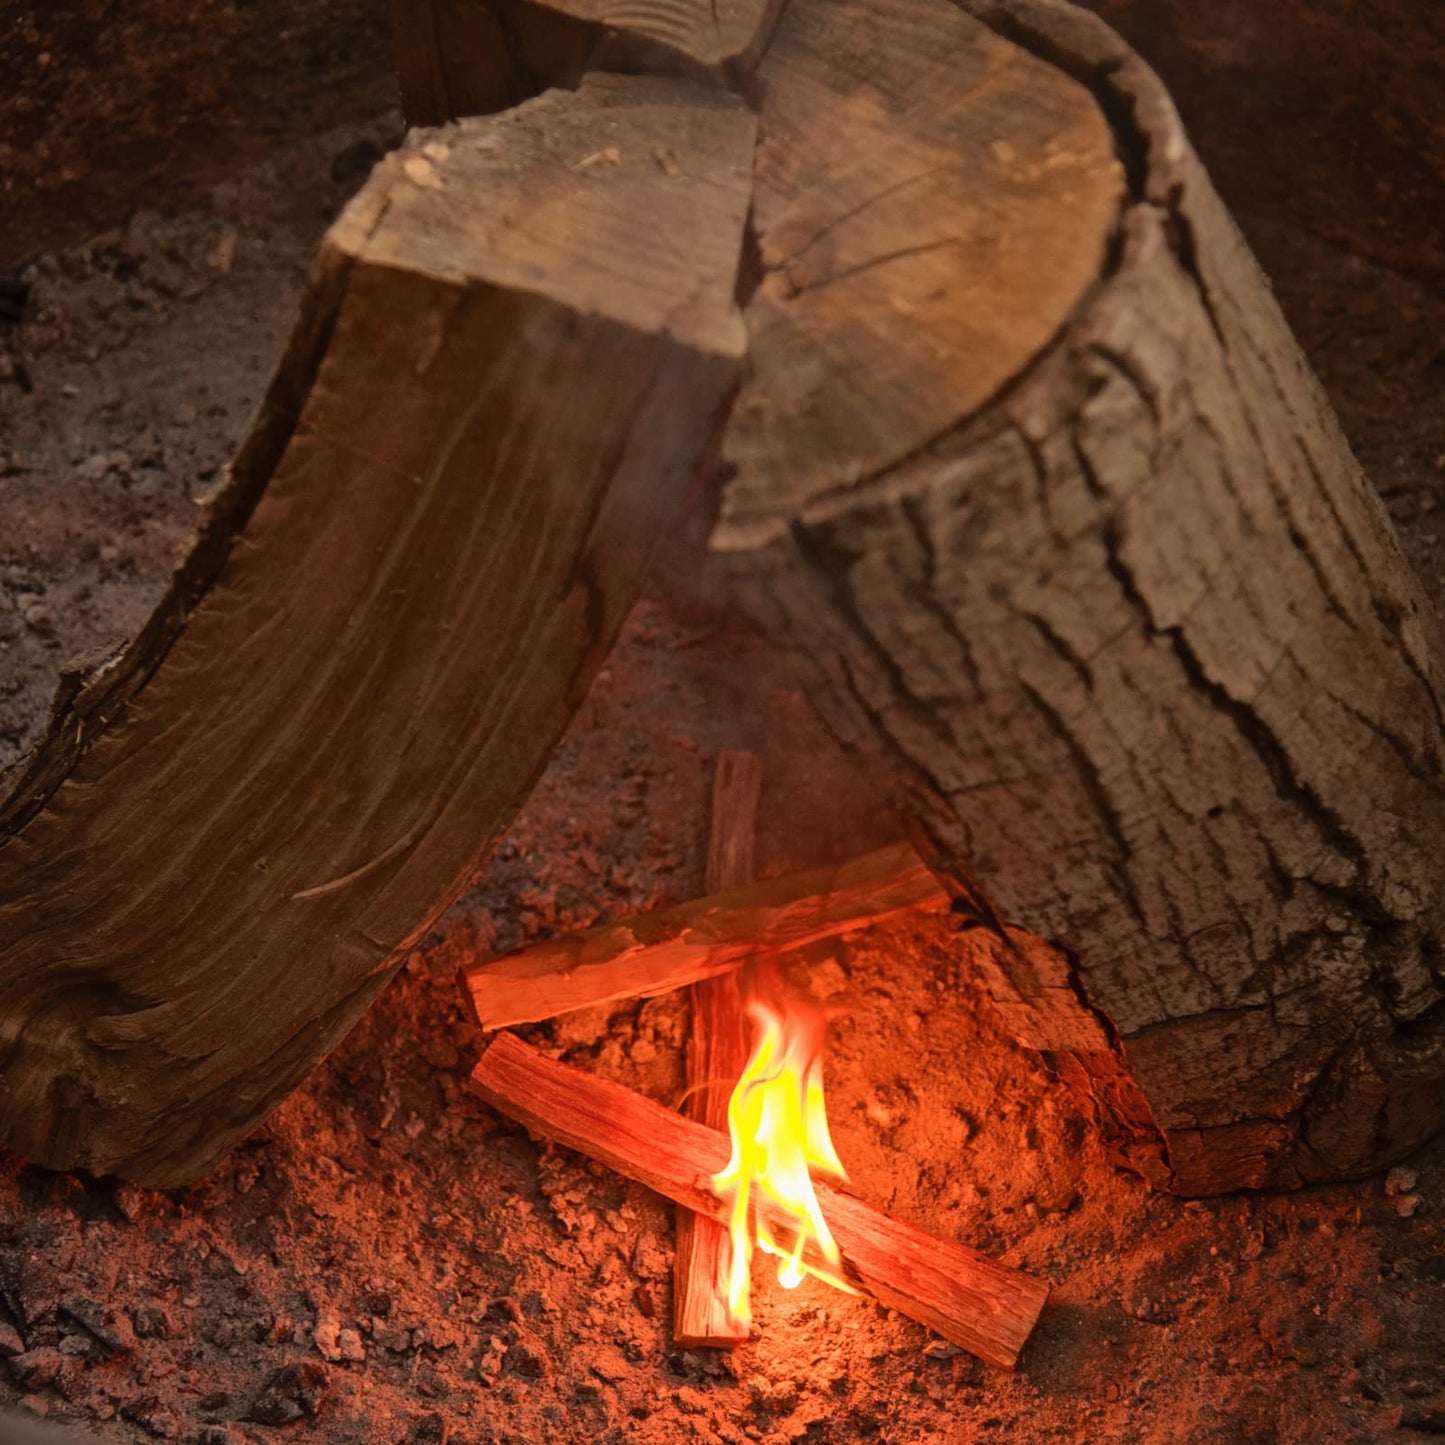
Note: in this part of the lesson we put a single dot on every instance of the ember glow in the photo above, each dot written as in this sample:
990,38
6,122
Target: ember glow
779,1129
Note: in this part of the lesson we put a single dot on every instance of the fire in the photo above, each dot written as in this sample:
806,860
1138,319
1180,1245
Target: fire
779,1128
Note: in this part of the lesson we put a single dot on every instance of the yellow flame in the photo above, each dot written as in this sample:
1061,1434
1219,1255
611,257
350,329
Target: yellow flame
779,1128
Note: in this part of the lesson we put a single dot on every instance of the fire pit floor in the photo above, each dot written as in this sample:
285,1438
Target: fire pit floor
387,1260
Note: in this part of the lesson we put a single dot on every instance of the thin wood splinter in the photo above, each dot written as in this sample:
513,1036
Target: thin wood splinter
980,1305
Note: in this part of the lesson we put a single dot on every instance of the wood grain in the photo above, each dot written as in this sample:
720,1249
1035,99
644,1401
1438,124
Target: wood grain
717,1053
503,388
672,947
932,203
981,1306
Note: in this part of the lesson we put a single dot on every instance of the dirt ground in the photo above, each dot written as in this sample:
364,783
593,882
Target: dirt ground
386,1260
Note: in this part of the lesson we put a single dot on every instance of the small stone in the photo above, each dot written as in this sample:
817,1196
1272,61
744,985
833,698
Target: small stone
348,1343
291,1392
112,1339
150,1322
490,1364
152,1417
129,1200
327,1335
1406,1205
1400,1180
219,1435
528,1357
10,1341
610,1365
827,979
38,618
36,1369
941,1350
35,1405
644,1051
377,1303
429,1430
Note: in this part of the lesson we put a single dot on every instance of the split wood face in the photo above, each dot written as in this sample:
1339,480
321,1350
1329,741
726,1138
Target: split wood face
1026,468
512,391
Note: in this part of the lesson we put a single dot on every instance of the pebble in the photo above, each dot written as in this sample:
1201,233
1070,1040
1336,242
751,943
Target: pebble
610,1365
429,1430
219,1435
10,1341
490,1364
291,1392
1406,1205
327,1335
1400,1180
941,1350
827,979
152,1417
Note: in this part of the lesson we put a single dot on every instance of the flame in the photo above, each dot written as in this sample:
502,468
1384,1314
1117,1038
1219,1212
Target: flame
779,1128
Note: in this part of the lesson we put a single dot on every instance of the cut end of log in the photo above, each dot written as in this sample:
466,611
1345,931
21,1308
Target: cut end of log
932,204
547,200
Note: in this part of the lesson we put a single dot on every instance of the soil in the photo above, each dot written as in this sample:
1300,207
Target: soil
386,1260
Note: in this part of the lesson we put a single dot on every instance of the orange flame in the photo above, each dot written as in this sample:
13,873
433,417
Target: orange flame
779,1128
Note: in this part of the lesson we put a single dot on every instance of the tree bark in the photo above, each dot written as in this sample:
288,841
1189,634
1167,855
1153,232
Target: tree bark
1134,625
497,395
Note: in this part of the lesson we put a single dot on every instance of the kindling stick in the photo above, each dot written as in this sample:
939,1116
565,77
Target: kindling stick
671,947
980,1305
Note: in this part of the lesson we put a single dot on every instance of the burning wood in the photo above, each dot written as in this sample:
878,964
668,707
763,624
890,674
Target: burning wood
984,1307
717,1053
660,951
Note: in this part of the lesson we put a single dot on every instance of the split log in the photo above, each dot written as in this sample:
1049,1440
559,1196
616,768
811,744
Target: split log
673,947
717,1054
1032,476
456,58
498,393
980,1305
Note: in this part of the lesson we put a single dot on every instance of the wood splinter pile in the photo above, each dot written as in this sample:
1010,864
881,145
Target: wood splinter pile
980,1305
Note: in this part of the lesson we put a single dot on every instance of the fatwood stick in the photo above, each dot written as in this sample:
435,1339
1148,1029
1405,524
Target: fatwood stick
717,1052
671,947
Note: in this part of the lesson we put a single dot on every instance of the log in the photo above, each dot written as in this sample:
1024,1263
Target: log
980,1305
499,391
717,1053
672,947
1072,536
456,58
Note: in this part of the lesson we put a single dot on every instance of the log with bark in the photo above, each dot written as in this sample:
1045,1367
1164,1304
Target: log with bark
497,395
1094,565
969,1299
